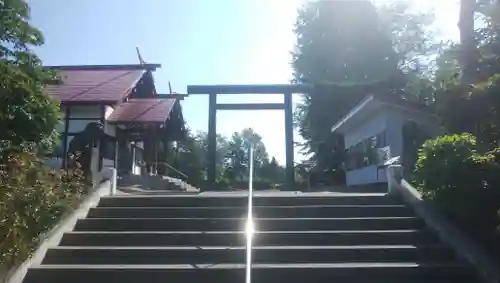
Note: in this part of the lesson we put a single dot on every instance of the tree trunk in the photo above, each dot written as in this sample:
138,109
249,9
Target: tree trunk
468,44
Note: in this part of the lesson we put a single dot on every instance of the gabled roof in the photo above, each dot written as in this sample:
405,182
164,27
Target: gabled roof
96,84
371,104
143,110
151,67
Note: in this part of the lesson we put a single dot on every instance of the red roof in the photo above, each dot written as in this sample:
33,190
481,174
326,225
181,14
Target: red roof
94,84
150,110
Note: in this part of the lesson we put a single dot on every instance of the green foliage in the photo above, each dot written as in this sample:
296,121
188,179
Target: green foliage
447,66
26,113
236,159
395,41
32,199
459,172
413,38
452,156
321,27
271,171
462,182
189,156
474,109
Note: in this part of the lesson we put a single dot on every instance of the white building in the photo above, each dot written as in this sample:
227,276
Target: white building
378,128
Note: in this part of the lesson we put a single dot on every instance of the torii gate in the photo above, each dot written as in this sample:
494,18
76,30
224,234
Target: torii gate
286,89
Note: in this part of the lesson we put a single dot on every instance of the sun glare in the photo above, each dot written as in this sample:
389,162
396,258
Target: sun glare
249,228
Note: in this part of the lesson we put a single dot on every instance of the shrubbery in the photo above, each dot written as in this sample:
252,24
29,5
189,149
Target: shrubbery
32,200
462,182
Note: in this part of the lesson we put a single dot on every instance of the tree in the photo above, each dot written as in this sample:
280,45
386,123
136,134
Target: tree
472,104
328,51
467,41
237,157
330,54
272,172
26,113
447,65
413,39
250,137
189,157
328,48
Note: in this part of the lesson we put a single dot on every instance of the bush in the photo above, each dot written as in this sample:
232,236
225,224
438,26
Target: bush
32,200
462,182
446,162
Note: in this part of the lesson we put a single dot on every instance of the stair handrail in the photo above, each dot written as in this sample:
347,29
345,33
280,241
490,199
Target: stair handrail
249,228
184,176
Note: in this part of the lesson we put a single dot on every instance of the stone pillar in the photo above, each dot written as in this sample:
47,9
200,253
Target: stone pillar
290,171
394,177
212,140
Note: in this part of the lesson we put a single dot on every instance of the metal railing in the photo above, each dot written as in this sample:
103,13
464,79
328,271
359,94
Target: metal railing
171,168
249,230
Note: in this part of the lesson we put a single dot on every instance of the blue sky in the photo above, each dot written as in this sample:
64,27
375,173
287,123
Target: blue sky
197,42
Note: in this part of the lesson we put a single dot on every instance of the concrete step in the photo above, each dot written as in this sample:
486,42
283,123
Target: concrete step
225,254
238,224
183,238
232,238
267,273
230,200
259,211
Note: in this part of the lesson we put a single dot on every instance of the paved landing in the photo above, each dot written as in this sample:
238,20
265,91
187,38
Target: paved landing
277,193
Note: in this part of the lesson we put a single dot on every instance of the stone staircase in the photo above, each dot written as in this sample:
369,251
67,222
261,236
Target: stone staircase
156,184
180,185
300,238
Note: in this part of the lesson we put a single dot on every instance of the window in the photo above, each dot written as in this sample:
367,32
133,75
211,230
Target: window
364,153
372,150
358,157
349,164
382,139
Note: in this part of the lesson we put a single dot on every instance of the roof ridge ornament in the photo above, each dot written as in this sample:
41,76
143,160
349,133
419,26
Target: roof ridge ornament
141,61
